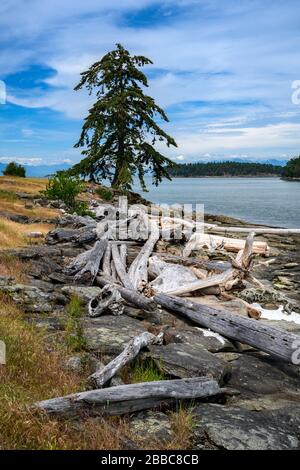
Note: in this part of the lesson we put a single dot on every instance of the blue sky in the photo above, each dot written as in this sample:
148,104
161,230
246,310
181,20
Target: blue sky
223,70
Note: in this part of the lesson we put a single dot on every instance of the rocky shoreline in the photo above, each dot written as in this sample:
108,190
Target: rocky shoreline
261,409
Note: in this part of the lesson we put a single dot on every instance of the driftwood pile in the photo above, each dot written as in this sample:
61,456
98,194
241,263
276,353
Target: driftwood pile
123,262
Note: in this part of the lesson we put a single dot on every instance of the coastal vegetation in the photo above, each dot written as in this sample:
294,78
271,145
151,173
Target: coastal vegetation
14,169
292,169
227,168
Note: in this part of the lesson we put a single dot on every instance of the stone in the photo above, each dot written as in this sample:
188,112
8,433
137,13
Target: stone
110,334
74,363
235,428
183,360
33,299
211,341
83,292
261,375
151,425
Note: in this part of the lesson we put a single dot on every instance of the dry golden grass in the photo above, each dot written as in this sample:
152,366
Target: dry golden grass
13,267
33,373
15,184
18,207
13,234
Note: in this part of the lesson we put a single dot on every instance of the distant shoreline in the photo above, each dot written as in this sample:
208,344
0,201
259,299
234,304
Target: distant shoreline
230,176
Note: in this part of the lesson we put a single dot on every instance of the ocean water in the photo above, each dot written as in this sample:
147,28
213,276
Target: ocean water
269,201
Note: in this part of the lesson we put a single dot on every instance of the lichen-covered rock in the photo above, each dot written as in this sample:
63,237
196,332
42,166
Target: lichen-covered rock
85,293
185,360
110,334
151,425
33,299
235,428
210,340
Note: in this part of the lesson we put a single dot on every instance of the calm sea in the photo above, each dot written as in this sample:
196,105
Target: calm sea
268,201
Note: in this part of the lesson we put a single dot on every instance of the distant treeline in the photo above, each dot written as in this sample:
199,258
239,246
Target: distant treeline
225,169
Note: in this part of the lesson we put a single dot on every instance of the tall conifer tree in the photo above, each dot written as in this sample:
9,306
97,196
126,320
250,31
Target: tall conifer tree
120,131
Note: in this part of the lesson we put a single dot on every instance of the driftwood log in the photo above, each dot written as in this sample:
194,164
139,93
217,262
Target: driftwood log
109,300
213,242
129,398
131,296
272,340
101,377
239,270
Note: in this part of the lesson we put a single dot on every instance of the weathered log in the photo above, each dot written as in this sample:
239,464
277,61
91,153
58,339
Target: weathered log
109,299
229,278
212,242
120,268
101,377
106,263
129,295
169,276
269,339
217,266
138,271
257,230
89,272
129,398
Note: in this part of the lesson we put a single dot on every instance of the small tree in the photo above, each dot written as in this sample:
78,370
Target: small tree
120,131
66,188
14,169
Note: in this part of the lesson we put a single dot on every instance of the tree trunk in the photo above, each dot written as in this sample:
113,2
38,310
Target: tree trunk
129,398
272,340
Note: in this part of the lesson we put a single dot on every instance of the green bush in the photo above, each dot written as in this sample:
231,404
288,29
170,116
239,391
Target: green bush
105,194
66,188
13,169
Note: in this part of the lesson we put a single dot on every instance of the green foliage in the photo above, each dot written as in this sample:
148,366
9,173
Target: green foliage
7,195
120,131
75,338
65,188
146,371
292,168
225,169
14,169
105,194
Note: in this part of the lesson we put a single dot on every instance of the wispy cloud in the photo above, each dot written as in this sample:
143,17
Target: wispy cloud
222,69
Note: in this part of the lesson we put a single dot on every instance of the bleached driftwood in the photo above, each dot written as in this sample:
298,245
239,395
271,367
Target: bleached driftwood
240,269
109,299
213,242
89,272
131,296
129,398
120,268
257,230
169,276
138,271
106,263
101,377
269,339
217,266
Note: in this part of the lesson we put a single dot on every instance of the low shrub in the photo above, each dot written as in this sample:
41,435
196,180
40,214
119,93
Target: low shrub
14,169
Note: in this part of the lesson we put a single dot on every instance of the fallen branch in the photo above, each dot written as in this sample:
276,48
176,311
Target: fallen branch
272,340
129,295
138,271
129,398
99,378
89,272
